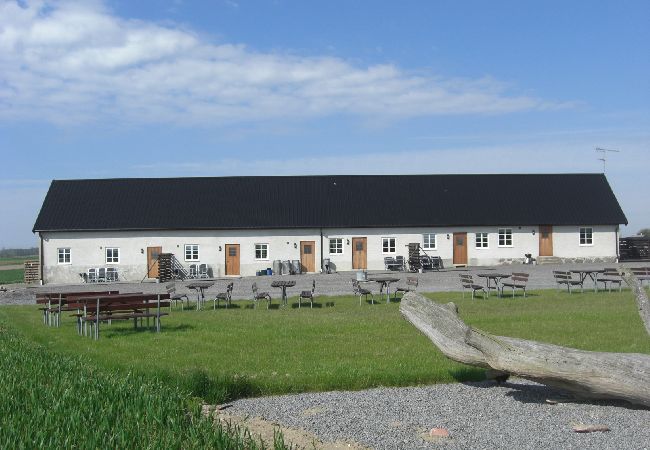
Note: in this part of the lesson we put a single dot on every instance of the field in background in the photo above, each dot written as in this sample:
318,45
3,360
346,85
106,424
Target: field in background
225,354
12,276
17,260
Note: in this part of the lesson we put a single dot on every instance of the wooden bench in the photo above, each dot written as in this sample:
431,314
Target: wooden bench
564,277
97,309
55,301
609,277
641,273
518,280
467,282
411,286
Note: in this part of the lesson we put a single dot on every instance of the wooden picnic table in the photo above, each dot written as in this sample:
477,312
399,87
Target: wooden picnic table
591,273
55,302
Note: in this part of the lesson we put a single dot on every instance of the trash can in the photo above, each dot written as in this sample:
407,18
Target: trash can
286,267
277,267
295,265
362,275
269,271
326,265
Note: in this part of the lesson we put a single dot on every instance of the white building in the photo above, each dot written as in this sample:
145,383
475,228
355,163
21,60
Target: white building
239,225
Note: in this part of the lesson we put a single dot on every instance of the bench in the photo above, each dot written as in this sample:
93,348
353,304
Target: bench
563,277
518,280
411,286
467,282
97,309
175,296
55,301
641,273
610,276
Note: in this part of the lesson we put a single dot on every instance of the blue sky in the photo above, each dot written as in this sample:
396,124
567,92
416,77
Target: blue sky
225,87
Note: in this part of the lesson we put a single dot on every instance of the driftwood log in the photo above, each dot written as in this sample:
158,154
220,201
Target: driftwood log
589,375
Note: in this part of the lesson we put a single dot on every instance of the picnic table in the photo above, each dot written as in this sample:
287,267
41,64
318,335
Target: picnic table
496,277
55,302
106,308
283,284
200,287
384,282
591,273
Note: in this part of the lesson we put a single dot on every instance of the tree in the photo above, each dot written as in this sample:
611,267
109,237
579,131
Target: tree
592,375
645,232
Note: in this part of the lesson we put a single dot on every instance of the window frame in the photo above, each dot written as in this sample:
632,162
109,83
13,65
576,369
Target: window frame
106,249
591,236
342,247
265,249
506,232
198,253
435,241
68,253
486,241
389,252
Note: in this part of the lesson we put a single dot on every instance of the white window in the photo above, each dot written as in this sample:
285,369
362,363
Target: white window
481,240
336,246
586,236
388,245
191,252
112,255
64,255
262,251
429,241
505,237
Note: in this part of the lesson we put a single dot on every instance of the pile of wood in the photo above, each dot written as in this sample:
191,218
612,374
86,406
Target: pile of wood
32,272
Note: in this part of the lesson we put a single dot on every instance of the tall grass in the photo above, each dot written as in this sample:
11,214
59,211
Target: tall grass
50,400
12,276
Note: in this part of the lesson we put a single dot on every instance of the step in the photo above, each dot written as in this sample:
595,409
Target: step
549,260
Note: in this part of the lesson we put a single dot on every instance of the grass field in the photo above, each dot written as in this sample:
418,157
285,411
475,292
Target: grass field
225,354
11,276
16,260
59,401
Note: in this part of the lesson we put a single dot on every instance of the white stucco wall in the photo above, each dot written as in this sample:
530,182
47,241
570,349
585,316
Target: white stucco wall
88,248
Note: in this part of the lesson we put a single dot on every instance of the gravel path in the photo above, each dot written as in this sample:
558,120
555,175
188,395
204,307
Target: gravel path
541,277
477,415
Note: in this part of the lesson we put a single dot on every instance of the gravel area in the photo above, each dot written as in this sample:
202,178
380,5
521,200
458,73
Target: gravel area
477,415
541,277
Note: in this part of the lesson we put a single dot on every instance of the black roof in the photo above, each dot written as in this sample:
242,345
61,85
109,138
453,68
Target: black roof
328,201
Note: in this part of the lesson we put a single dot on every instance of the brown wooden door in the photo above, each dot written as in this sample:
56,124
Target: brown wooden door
545,240
232,259
152,261
460,248
308,256
359,253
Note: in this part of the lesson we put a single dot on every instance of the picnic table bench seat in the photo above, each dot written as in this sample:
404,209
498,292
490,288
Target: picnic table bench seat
518,280
609,277
563,277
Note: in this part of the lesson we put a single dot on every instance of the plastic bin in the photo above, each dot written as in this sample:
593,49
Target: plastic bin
295,265
286,267
362,275
269,271
277,267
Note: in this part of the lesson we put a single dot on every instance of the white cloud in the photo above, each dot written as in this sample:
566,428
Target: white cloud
74,62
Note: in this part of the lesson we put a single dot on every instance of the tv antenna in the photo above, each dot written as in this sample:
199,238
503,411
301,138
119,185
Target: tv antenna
604,152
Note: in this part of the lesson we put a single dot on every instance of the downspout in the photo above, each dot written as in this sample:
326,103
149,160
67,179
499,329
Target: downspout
321,251
618,243
40,258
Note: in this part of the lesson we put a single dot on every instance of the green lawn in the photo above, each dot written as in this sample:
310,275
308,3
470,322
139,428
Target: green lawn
224,354
12,276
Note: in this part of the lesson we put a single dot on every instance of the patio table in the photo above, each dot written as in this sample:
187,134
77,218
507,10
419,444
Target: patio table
384,282
496,277
283,284
200,288
591,273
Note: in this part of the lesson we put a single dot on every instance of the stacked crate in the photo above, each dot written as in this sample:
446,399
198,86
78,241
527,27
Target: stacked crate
165,270
32,271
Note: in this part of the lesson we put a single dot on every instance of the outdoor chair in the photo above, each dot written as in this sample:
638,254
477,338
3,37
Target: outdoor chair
518,280
193,271
411,286
564,277
175,296
467,282
308,295
359,291
257,296
101,275
610,276
111,275
203,271
92,275
400,263
225,296
389,263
